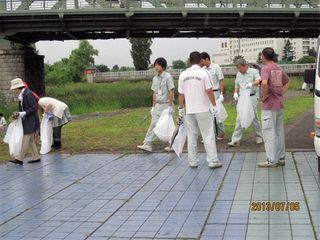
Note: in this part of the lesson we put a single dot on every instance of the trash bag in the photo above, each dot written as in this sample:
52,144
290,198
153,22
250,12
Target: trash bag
13,137
165,126
46,134
222,112
180,140
245,109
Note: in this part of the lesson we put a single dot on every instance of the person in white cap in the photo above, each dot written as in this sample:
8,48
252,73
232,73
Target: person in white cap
59,114
30,121
197,105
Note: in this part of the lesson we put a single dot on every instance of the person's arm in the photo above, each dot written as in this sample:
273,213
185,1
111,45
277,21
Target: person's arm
171,97
31,103
237,90
264,89
285,81
154,99
221,83
181,101
211,97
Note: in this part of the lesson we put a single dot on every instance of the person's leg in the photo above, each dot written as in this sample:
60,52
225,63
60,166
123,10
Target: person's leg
256,123
281,150
193,133
34,151
205,124
24,148
269,136
57,137
150,135
238,131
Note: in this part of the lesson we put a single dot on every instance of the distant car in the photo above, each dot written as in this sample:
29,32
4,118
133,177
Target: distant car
316,134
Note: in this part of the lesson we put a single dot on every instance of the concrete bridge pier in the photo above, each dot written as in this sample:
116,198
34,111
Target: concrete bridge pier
20,61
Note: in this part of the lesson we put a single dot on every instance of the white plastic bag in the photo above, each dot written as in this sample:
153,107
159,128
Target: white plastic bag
180,140
165,126
245,109
14,136
222,112
46,133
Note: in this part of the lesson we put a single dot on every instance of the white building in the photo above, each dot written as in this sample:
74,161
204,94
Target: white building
250,48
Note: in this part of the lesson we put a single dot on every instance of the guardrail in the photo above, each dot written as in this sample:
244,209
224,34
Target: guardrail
36,5
291,69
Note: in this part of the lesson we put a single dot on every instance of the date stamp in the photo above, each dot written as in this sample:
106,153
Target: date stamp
274,206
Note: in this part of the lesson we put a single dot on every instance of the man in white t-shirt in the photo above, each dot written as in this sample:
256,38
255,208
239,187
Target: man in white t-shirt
197,106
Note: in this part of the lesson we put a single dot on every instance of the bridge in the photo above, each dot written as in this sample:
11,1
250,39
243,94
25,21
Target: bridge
29,21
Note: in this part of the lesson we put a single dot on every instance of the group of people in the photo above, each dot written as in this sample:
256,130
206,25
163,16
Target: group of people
201,88
30,106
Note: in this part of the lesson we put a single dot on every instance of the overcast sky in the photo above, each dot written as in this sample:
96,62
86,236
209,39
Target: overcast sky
112,52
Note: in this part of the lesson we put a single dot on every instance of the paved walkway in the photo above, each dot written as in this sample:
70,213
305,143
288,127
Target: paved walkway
104,196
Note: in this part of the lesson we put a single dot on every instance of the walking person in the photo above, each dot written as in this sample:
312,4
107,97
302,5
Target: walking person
274,85
218,86
197,106
162,98
247,78
59,114
30,121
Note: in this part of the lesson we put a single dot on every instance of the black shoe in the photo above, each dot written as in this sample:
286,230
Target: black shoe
17,162
57,145
34,161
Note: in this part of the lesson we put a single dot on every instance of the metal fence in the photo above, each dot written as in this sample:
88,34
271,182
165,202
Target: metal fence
292,69
34,5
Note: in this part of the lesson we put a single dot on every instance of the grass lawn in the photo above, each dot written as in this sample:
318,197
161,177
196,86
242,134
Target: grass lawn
124,131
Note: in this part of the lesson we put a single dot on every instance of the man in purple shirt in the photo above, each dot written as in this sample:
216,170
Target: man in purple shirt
274,83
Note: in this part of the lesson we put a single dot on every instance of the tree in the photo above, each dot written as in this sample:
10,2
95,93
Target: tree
103,68
115,68
236,58
312,52
179,64
80,59
307,59
288,52
58,73
141,52
259,58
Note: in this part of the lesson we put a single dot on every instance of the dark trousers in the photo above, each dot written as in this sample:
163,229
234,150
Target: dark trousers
57,134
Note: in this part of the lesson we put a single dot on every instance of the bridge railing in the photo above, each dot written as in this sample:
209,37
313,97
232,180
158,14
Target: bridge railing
292,69
34,5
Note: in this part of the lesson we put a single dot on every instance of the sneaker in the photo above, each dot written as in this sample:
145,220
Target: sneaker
267,164
193,164
213,165
234,144
168,149
259,140
145,147
282,162
220,137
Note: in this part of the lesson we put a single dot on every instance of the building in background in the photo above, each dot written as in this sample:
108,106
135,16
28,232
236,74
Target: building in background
250,48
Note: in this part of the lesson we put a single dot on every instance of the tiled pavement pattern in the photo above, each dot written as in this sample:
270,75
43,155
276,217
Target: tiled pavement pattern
157,196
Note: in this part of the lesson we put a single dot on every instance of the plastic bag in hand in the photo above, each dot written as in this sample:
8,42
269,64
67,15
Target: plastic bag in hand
245,109
165,126
14,136
46,132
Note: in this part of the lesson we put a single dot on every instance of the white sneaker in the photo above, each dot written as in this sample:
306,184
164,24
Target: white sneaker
259,140
168,149
193,164
234,144
145,147
281,162
213,165
267,164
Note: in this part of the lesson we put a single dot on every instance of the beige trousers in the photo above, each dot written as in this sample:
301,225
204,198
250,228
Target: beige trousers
29,140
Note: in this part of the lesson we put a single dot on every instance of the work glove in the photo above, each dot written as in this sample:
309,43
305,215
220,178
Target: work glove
221,98
170,108
50,116
249,85
151,110
22,114
236,96
214,111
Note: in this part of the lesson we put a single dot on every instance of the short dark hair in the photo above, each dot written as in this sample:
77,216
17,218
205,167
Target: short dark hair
1,114
205,55
161,61
269,53
194,57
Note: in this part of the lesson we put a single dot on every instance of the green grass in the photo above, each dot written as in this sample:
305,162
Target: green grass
124,131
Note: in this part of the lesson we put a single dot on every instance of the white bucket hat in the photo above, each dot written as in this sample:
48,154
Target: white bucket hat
16,83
